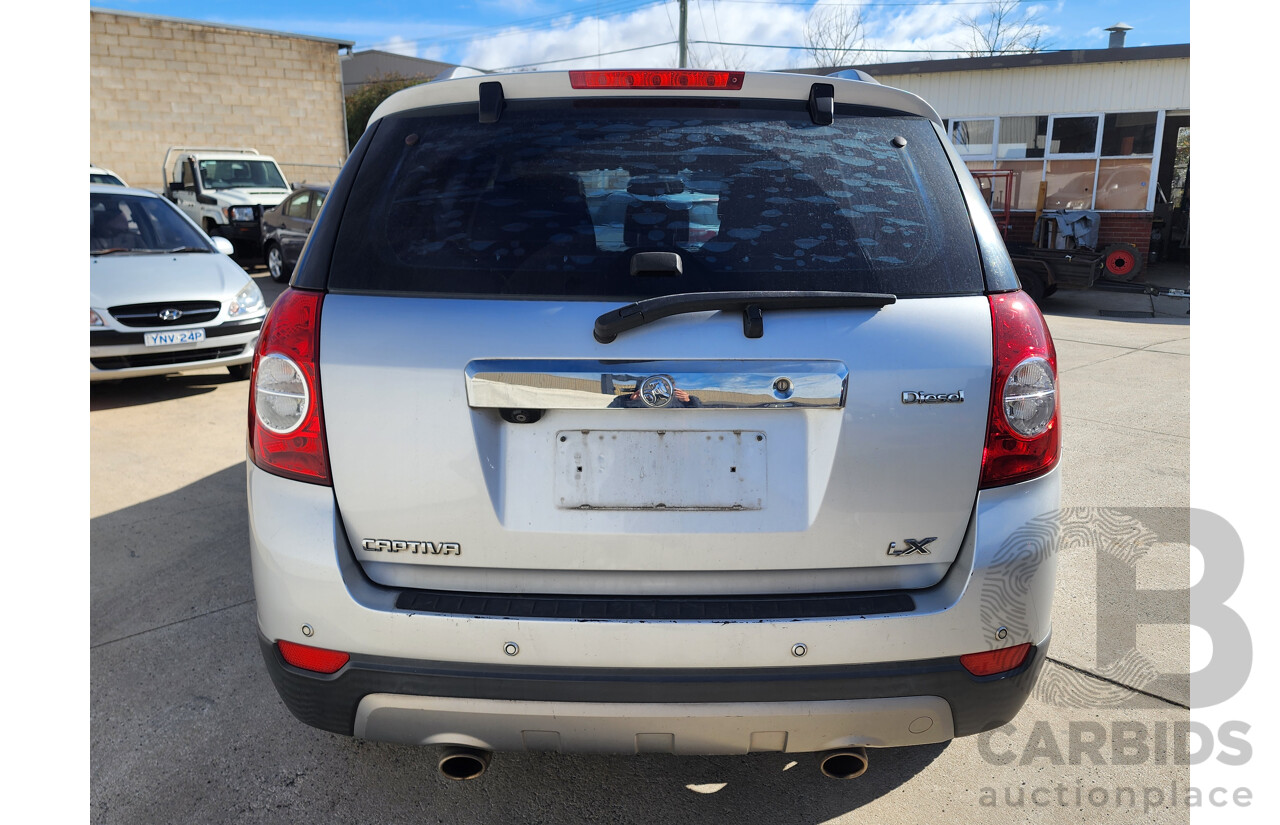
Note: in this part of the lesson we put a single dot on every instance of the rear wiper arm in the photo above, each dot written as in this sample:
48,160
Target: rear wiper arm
751,303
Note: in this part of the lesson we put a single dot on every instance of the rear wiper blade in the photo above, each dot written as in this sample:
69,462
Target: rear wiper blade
616,321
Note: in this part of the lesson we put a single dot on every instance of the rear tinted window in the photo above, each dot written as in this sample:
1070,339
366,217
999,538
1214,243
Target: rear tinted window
555,200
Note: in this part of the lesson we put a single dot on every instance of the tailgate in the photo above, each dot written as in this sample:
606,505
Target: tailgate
490,445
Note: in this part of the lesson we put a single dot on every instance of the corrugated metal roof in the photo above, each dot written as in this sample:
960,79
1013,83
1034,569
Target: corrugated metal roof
1097,87
1066,57
366,66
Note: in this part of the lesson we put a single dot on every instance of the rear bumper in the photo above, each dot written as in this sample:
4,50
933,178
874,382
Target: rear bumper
724,710
427,674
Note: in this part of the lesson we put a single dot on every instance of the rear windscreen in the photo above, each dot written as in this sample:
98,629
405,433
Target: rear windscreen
556,199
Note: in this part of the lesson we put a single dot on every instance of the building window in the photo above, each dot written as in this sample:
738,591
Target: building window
1123,183
1073,135
974,138
1069,184
1023,137
1129,133
1026,183
1101,161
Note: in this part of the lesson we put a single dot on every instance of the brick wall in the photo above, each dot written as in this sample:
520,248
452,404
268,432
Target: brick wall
160,83
1113,227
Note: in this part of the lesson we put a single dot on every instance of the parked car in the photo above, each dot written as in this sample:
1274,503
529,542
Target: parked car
99,175
163,296
791,488
285,228
225,191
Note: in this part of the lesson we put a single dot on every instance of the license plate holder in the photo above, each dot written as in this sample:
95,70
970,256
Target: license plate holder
660,469
177,336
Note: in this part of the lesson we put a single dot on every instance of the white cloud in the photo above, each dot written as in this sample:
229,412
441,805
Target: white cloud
399,45
899,33
587,36
434,53
526,7
894,32
367,32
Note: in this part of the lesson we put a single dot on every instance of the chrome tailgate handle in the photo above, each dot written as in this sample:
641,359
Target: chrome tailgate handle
596,385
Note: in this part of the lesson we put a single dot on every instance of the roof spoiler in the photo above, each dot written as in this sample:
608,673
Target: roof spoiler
855,74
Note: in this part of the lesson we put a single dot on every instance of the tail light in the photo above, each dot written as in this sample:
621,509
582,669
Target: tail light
286,425
1023,432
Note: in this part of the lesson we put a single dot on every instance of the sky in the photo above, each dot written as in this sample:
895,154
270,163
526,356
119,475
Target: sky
561,34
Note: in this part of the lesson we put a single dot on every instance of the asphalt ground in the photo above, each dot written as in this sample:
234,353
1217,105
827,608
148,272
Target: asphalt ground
186,727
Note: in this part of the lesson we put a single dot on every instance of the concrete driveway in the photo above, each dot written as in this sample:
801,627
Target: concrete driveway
186,726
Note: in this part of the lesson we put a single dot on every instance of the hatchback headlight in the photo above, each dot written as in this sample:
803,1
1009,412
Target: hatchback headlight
247,301
241,213
95,320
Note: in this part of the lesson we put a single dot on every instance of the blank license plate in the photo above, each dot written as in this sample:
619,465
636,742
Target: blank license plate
671,470
181,336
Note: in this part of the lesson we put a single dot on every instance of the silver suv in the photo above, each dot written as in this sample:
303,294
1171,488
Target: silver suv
654,411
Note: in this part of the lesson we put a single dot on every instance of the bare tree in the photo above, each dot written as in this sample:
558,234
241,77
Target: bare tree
716,56
833,35
1000,28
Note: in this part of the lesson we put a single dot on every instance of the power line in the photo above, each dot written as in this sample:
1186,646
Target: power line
613,8
746,46
703,18
869,49
521,26
585,56
886,4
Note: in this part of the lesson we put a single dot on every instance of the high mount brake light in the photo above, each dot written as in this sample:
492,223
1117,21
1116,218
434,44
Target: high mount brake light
656,79
286,425
1023,436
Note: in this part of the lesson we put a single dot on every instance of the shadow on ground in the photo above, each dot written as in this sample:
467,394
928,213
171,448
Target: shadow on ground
1133,307
132,392
187,727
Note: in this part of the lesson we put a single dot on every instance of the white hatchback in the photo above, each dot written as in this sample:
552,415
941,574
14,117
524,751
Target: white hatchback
163,296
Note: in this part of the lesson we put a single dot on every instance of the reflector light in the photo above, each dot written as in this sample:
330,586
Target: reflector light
991,662
656,79
315,659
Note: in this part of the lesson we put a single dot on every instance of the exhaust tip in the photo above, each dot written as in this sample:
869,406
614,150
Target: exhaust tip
846,763
460,763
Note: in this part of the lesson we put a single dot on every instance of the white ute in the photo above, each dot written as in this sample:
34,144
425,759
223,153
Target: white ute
225,191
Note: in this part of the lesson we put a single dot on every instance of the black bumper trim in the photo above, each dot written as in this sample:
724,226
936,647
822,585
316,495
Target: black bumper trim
110,337
330,701
671,608
177,358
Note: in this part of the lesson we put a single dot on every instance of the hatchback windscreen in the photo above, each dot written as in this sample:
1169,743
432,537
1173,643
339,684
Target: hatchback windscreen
129,223
557,199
